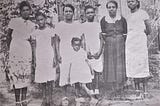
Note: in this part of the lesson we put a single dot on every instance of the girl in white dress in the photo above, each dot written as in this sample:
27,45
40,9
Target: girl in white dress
20,53
44,71
136,44
79,70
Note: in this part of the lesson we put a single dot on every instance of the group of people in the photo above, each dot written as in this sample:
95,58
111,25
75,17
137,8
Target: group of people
77,54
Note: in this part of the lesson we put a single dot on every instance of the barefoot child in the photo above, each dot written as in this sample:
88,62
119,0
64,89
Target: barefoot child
45,72
79,71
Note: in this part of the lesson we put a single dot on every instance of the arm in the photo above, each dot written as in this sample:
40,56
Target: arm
99,53
148,27
9,37
124,28
55,42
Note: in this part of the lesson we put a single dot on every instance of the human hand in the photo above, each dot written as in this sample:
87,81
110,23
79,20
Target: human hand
89,55
96,55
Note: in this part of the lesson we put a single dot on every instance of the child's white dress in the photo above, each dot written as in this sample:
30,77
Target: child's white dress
20,51
91,31
79,70
44,56
66,31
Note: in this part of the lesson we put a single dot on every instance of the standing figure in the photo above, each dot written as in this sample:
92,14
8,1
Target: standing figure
114,30
80,72
20,53
45,71
66,30
93,44
136,44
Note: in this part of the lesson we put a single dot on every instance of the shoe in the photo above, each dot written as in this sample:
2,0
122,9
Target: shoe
91,92
96,92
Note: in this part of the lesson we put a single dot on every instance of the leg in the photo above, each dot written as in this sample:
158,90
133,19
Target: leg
17,96
23,96
44,93
137,83
57,76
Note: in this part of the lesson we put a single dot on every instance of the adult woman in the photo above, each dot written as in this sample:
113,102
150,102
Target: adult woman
136,43
114,30
20,52
66,30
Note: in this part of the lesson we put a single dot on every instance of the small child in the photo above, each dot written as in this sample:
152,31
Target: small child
45,73
80,73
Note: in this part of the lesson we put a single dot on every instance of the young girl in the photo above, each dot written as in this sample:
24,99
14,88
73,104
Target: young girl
20,53
45,72
79,71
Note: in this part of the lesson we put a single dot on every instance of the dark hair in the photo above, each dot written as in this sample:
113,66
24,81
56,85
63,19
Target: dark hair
113,2
70,6
75,39
88,7
24,3
38,13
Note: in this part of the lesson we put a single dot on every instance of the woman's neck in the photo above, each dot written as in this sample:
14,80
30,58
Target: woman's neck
112,16
134,10
69,21
42,28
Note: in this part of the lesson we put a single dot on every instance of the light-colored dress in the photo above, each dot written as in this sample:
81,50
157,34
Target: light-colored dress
91,31
20,51
79,70
136,46
44,55
66,31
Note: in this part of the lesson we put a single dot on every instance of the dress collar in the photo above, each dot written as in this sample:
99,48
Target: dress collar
112,20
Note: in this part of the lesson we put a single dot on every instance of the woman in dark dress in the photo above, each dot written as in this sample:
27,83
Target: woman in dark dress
114,31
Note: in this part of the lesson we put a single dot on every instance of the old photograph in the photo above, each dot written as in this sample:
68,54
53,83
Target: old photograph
79,52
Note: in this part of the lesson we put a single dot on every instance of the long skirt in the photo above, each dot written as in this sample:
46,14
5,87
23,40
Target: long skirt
114,70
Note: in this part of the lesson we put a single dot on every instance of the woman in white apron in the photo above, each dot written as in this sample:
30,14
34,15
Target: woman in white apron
136,44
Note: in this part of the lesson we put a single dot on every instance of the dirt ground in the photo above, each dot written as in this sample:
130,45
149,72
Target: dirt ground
34,97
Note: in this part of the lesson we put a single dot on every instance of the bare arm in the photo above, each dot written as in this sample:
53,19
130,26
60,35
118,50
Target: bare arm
99,53
148,27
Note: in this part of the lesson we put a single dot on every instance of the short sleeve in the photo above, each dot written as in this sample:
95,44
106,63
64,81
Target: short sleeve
145,15
12,24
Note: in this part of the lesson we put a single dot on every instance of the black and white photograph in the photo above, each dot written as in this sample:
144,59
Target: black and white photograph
79,52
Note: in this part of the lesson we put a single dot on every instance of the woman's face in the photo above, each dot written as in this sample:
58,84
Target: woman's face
25,12
68,13
132,4
112,9
41,21
90,13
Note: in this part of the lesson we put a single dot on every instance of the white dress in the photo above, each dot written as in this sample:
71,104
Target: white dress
91,31
20,51
66,31
79,71
44,56
136,46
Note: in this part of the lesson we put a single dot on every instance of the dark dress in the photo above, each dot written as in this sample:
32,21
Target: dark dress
114,70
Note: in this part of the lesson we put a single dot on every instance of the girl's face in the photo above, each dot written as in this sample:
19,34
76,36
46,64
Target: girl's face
41,21
25,12
132,4
68,13
90,13
112,9
76,45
